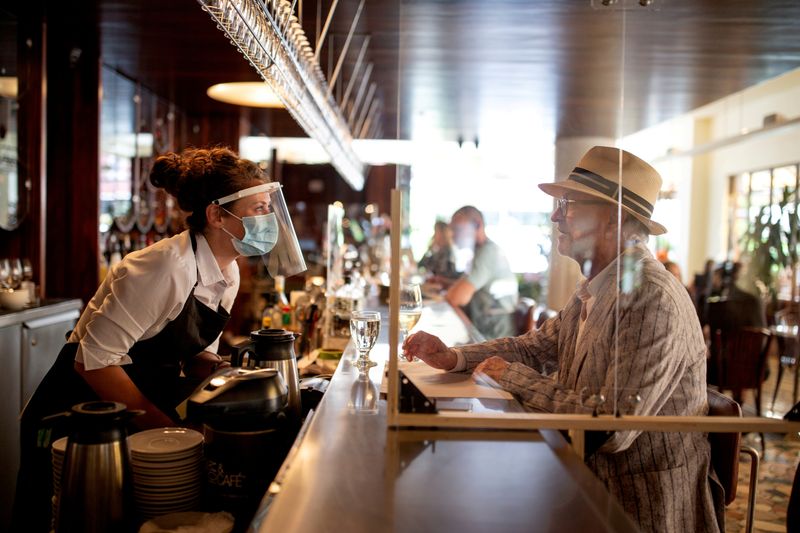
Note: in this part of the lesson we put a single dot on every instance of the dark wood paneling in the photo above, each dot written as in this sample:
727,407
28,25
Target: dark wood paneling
27,241
217,129
535,69
73,129
378,187
473,68
309,189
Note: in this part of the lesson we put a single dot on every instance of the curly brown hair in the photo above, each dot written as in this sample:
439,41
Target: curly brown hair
198,176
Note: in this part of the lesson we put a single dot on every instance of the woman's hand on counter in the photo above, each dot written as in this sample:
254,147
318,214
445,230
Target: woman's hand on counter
203,365
430,349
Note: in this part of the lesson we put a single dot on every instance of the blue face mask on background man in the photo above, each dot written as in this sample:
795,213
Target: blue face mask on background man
260,234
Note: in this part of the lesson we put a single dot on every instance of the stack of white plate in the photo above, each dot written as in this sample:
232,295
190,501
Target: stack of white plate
168,470
58,450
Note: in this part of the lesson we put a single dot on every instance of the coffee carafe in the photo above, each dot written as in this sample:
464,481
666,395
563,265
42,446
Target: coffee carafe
96,483
273,348
246,435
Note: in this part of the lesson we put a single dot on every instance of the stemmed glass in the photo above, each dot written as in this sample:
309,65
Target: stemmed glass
410,308
5,273
27,270
364,329
15,278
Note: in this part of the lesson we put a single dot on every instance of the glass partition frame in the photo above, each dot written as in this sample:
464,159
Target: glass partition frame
623,107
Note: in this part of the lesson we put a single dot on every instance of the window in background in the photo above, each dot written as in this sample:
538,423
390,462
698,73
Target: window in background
752,191
739,202
768,196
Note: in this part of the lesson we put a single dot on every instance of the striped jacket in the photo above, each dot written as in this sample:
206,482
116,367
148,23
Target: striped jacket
661,479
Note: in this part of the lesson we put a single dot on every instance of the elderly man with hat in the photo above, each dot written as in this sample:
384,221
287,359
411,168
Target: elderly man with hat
629,335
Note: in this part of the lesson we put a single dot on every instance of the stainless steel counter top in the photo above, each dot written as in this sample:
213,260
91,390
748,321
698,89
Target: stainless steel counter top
46,308
350,473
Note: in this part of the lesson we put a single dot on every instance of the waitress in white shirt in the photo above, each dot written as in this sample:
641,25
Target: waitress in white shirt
162,309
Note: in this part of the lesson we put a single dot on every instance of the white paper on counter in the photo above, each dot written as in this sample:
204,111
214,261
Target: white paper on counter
435,383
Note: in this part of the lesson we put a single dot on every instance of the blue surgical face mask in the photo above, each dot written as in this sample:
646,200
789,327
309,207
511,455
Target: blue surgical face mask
260,234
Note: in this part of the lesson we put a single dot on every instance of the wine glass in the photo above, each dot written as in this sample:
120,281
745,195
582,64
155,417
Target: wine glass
27,270
410,308
5,273
15,278
364,328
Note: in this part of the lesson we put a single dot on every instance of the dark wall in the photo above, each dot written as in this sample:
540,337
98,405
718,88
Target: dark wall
317,186
26,240
73,160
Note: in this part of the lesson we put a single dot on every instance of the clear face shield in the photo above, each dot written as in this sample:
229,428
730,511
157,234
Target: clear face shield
269,235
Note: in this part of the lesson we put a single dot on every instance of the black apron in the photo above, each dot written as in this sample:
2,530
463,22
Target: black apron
155,369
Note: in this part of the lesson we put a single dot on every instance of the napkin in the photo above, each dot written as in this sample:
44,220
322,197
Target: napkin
191,522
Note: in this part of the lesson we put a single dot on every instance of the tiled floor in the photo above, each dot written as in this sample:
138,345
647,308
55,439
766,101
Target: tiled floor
778,465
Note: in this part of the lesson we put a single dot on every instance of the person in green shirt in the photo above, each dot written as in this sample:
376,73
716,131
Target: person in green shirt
487,291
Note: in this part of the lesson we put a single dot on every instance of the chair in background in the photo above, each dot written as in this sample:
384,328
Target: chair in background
523,315
543,314
738,362
725,450
788,349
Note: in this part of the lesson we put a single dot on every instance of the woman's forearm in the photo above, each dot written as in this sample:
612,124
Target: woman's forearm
113,384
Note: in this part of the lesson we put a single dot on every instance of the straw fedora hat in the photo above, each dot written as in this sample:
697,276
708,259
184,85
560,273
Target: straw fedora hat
598,174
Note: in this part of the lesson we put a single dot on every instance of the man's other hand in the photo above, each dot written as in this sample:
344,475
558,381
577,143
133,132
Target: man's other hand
491,368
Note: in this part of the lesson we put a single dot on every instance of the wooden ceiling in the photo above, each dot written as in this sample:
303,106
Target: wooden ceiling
474,68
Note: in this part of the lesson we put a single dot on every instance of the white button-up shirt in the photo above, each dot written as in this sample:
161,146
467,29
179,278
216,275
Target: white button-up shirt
147,290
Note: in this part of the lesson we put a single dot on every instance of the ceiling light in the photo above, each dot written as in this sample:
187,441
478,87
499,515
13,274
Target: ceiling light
245,93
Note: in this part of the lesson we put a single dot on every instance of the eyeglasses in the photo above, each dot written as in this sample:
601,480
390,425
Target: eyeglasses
562,204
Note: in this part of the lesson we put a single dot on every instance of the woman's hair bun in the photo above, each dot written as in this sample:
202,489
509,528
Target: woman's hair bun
167,172
198,176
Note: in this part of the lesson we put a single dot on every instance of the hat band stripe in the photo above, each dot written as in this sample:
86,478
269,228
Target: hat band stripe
630,199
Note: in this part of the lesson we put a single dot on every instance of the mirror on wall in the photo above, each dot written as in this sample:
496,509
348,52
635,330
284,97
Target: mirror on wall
13,186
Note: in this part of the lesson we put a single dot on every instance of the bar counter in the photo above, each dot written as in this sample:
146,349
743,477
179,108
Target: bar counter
348,472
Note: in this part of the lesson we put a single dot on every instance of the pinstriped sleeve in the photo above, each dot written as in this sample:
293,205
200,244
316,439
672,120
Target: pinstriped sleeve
654,352
661,358
536,349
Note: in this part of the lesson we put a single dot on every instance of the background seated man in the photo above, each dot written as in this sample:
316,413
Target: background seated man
488,291
637,336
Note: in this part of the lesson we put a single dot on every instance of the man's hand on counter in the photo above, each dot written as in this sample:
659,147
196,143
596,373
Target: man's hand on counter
430,349
491,368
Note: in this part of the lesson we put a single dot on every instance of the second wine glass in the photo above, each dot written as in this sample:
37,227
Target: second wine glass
410,308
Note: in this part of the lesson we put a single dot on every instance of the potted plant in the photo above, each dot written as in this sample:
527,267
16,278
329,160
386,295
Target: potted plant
771,244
